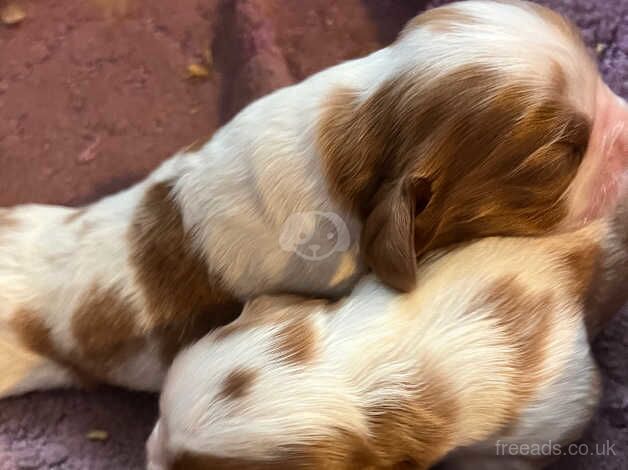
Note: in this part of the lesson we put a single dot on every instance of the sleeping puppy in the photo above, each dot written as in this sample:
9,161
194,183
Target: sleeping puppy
492,346
483,118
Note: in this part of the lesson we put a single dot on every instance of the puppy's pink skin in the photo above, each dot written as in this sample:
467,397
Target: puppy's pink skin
604,178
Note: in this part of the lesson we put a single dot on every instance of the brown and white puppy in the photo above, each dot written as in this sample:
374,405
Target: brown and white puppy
490,347
483,118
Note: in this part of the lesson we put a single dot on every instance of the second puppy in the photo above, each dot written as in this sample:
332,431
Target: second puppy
492,344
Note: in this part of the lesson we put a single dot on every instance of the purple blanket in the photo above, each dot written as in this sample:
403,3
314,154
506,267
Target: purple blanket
257,45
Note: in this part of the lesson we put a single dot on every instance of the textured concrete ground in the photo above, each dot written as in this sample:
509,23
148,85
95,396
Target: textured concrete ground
90,102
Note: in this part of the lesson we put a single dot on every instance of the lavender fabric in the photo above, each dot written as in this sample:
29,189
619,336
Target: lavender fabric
50,430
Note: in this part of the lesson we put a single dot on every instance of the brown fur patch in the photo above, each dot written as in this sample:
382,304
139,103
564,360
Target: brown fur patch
271,309
237,384
341,450
33,332
36,336
580,262
415,430
106,331
296,342
497,156
524,318
181,295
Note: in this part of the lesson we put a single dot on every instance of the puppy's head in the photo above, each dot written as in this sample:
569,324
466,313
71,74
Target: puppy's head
240,398
492,121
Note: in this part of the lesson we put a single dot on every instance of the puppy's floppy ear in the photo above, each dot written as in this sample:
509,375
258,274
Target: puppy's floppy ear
388,236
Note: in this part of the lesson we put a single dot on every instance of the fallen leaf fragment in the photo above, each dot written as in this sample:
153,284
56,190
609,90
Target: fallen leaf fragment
97,435
12,14
197,71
